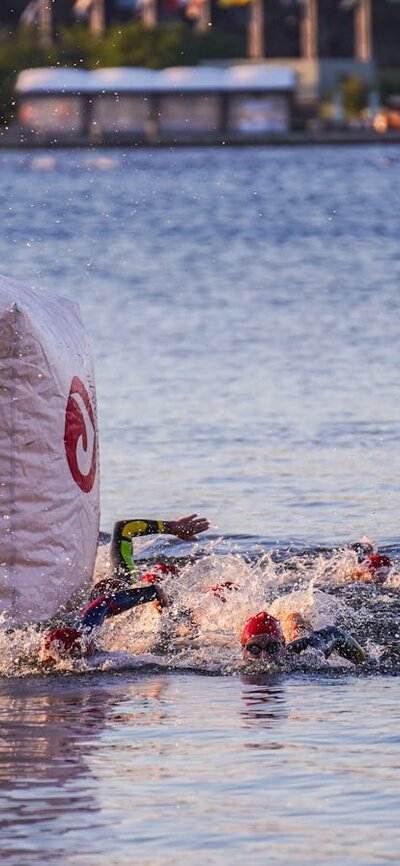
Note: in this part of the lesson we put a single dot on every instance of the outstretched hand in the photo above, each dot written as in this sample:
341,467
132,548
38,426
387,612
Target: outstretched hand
187,528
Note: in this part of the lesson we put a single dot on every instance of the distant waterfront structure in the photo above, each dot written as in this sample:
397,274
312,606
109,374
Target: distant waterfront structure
318,75
309,42
199,104
344,27
94,11
362,12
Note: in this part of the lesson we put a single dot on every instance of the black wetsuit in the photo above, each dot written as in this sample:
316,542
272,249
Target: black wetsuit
328,640
114,603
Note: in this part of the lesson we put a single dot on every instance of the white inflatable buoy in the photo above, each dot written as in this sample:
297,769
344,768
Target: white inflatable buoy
49,489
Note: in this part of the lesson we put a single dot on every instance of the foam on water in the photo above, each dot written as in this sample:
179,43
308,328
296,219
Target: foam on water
200,630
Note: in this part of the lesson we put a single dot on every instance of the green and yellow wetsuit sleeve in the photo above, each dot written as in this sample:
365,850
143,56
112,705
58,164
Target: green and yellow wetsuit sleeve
121,552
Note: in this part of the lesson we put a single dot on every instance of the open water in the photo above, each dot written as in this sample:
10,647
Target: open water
243,310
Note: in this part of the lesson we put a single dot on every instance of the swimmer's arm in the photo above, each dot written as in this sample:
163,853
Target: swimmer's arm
107,606
329,640
121,554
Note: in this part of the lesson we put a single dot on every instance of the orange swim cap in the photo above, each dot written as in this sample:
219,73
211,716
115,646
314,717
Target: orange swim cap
262,623
293,626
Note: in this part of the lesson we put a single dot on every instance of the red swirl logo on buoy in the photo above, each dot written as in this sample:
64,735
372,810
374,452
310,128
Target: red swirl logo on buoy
80,436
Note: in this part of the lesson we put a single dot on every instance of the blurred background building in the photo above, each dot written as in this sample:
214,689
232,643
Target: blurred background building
283,20
337,20
339,51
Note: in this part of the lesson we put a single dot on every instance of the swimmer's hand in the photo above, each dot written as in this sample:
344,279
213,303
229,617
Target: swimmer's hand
162,598
187,528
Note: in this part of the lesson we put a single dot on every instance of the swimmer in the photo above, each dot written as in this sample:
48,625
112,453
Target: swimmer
76,641
264,638
373,567
116,593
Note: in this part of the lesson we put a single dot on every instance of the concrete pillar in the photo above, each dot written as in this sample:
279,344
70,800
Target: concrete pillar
255,33
363,30
149,13
97,18
45,23
204,17
309,30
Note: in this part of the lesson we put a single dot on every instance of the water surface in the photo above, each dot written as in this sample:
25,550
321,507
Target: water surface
243,311
149,769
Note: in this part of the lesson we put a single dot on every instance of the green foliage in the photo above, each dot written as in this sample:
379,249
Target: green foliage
172,44
21,52
355,96
137,45
7,101
24,51
77,46
351,96
211,45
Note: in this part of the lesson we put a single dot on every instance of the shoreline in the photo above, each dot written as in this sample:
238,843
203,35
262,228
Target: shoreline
292,139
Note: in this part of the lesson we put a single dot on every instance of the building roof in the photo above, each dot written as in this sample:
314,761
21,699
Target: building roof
136,79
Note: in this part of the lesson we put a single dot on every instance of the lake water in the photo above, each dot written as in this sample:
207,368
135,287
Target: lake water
243,311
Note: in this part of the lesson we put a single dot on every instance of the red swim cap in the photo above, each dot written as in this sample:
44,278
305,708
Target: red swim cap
66,641
165,567
158,572
377,561
262,623
149,577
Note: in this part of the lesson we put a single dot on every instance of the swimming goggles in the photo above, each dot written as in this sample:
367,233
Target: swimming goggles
271,648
